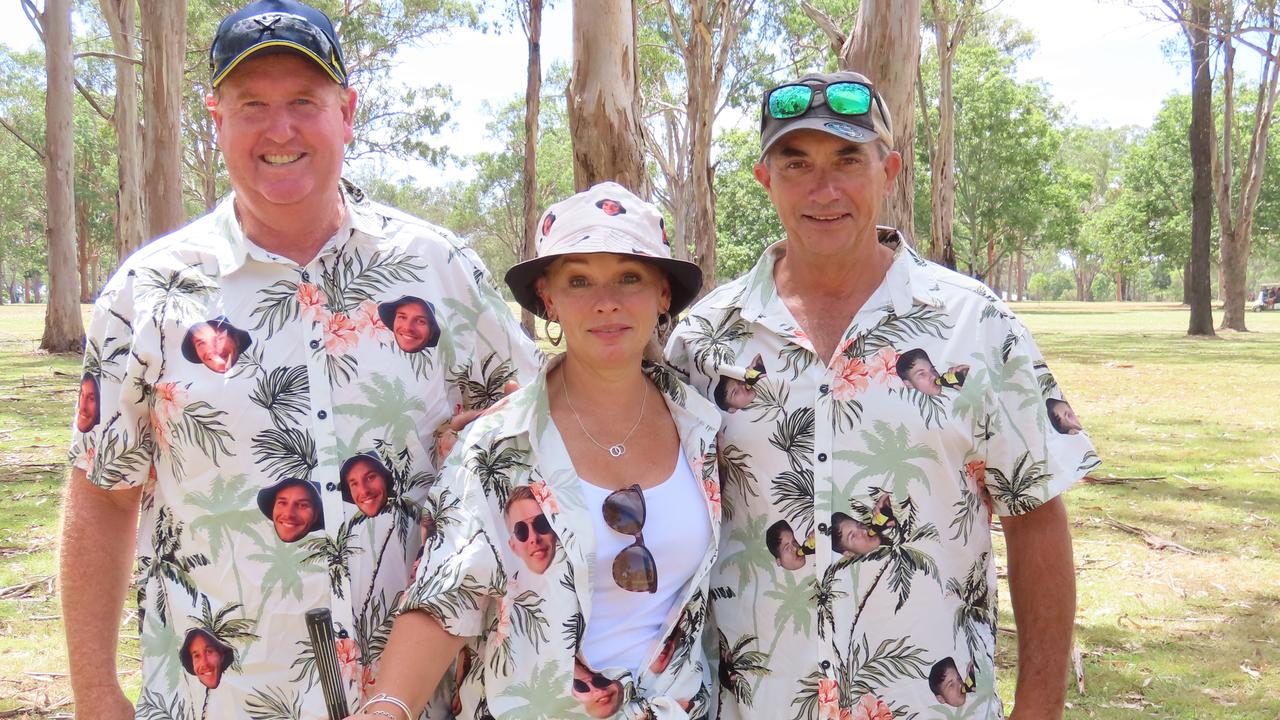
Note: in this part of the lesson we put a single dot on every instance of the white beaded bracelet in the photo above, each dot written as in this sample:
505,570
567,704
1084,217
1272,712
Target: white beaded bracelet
383,697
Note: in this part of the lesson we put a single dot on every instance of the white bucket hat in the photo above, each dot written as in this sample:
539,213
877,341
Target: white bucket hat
605,218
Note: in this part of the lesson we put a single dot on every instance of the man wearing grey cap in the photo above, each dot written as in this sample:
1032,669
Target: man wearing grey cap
297,262
833,435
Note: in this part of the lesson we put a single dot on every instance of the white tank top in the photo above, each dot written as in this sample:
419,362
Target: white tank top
624,626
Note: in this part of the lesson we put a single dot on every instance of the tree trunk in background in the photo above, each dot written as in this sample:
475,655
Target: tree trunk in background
63,324
603,97
885,46
164,37
83,243
533,102
1201,138
1237,205
942,182
131,223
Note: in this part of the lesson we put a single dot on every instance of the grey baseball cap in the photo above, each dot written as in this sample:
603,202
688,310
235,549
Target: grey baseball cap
865,127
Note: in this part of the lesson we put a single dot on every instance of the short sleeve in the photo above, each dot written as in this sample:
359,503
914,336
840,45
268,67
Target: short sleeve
111,436
460,572
1028,461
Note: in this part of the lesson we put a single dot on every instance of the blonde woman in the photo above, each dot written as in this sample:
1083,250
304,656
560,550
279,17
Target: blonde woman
575,526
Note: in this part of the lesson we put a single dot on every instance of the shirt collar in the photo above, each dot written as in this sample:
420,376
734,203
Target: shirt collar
909,279
236,248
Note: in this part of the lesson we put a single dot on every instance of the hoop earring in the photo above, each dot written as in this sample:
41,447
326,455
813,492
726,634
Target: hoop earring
664,323
555,341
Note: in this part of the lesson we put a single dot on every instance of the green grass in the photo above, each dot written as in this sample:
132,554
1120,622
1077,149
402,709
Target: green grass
1193,424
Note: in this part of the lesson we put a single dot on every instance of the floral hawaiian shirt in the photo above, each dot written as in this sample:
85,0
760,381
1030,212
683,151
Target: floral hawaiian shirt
279,419
524,601
856,577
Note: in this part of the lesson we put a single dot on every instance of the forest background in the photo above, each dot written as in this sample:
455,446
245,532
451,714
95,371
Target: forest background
1041,199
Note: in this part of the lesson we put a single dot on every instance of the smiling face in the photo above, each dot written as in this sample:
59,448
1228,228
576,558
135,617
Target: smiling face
598,702
411,326
282,125
827,192
206,661
293,513
608,305
923,376
215,347
368,487
738,395
87,408
525,518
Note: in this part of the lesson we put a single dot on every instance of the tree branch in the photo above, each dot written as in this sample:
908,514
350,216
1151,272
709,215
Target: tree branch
34,148
33,16
106,55
84,92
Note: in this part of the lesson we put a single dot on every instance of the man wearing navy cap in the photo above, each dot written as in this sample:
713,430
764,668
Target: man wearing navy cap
839,444
293,266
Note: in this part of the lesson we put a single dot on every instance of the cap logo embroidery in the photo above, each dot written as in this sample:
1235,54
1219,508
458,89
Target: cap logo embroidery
844,128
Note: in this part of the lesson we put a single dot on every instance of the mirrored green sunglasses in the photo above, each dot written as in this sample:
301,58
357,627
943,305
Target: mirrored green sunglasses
846,98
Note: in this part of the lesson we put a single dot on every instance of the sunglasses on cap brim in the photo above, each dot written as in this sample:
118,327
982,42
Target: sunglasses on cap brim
845,98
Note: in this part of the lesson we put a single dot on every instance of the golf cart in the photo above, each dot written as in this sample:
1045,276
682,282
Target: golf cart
1268,297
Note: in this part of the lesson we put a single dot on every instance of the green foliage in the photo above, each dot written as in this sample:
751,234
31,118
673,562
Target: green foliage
1055,285
745,219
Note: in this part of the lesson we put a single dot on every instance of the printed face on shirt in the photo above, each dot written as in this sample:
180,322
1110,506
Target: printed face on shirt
600,696
411,327
293,513
215,347
951,690
368,487
737,394
923,376
660,663
790,555
87,411
851,538
1063,418
206,661
532,539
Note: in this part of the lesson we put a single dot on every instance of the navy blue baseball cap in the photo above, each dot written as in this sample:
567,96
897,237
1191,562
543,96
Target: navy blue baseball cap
274,26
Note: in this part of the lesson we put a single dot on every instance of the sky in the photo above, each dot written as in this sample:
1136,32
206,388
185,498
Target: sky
1100,58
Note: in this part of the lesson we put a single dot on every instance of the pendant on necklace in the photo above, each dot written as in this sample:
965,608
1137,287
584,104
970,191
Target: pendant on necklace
617,450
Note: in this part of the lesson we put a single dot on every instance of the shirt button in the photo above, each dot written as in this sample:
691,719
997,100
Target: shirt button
824,389
826,664
331,486
822,527
822,457
315,344
322,414
306,276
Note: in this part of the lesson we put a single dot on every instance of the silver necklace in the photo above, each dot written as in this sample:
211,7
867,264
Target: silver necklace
617,449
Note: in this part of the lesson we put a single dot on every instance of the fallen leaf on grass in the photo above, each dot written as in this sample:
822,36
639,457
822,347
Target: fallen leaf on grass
1250,671
1077,663
1218,697
1153,541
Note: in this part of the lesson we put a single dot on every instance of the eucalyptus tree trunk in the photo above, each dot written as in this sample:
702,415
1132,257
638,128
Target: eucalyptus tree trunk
532,106
604,98
950,21
1201,139
1237,198
884,45
164,38
131,227
63,324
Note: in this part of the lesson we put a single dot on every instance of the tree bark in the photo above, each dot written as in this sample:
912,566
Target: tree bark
131,228
83,253
1236,209
603,97
63,324
532,107
164,33
885,46
942,183
1201,139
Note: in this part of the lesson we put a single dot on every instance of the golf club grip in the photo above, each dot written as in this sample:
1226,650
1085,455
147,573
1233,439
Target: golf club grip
320,628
